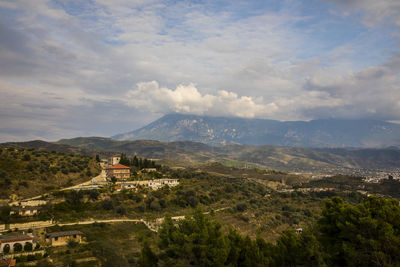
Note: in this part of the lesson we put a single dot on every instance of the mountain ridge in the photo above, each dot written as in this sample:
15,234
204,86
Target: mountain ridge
363,133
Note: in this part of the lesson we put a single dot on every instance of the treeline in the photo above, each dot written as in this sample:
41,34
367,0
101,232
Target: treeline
138,163
367,234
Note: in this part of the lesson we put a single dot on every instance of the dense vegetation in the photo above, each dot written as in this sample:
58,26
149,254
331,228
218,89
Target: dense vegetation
367,234
29,172
137,162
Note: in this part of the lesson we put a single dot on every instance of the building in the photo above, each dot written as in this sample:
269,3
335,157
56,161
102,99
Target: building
30,203
114,159
118,171
7,262
158,183
153,184
25,211
62,238
9,243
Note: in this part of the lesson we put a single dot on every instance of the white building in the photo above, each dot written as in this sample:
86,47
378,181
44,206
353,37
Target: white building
114,160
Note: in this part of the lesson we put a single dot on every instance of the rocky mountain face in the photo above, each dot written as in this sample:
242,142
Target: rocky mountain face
224,131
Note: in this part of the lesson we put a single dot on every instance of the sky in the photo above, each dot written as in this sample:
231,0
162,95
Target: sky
99,67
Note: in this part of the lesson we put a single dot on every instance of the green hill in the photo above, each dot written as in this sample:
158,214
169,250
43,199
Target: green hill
31,172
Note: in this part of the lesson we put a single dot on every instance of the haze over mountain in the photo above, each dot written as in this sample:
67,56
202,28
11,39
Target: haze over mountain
223,130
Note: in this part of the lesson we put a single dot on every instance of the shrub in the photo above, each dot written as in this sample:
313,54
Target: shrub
17,247
107,204
6,249
241,206
72,243
30,258
121,210
28,246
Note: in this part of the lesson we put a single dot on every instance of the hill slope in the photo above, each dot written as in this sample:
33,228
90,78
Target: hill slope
30,172
222,131
273,157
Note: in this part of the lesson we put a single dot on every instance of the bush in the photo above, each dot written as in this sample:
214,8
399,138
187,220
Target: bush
72,243
121,210
28,246
6,249
31,258
107,204
17,247
241,207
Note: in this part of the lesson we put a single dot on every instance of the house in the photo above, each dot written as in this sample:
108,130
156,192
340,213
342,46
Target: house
114,159
9,243
30,203
118,171
62,238
7,262
117,188
25,211
128,185
158,183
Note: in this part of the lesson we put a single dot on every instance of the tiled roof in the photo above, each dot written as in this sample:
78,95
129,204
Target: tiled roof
118,166
25,208
65,233
12,238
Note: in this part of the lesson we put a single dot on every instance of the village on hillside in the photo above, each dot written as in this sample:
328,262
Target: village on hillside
28,241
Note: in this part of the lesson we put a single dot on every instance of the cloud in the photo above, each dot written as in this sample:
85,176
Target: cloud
71,65
188,100
373,92
374,12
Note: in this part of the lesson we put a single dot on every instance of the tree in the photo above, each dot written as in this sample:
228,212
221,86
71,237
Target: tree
361,235
17,247
124,160
147,257
5,214
94,194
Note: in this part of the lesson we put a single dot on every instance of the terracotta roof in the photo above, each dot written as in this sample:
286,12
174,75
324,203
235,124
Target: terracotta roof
65,233
118,166
7,262
25,208
13,238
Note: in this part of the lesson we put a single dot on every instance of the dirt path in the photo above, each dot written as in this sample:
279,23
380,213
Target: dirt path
152,224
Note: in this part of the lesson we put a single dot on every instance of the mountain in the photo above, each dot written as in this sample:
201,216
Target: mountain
271,157
223,131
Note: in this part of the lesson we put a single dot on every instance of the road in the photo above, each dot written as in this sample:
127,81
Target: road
95,180
152,224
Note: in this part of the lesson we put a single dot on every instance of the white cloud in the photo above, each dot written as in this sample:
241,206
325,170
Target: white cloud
63,64
187,99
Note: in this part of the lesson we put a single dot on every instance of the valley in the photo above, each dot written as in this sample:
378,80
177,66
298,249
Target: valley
256,202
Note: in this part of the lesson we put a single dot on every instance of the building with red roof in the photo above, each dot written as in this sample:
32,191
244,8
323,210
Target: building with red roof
118,171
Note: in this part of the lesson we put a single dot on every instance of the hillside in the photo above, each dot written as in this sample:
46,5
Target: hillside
223,131
30,172
272,157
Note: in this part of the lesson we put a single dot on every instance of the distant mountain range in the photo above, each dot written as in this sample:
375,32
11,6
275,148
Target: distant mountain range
223,131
